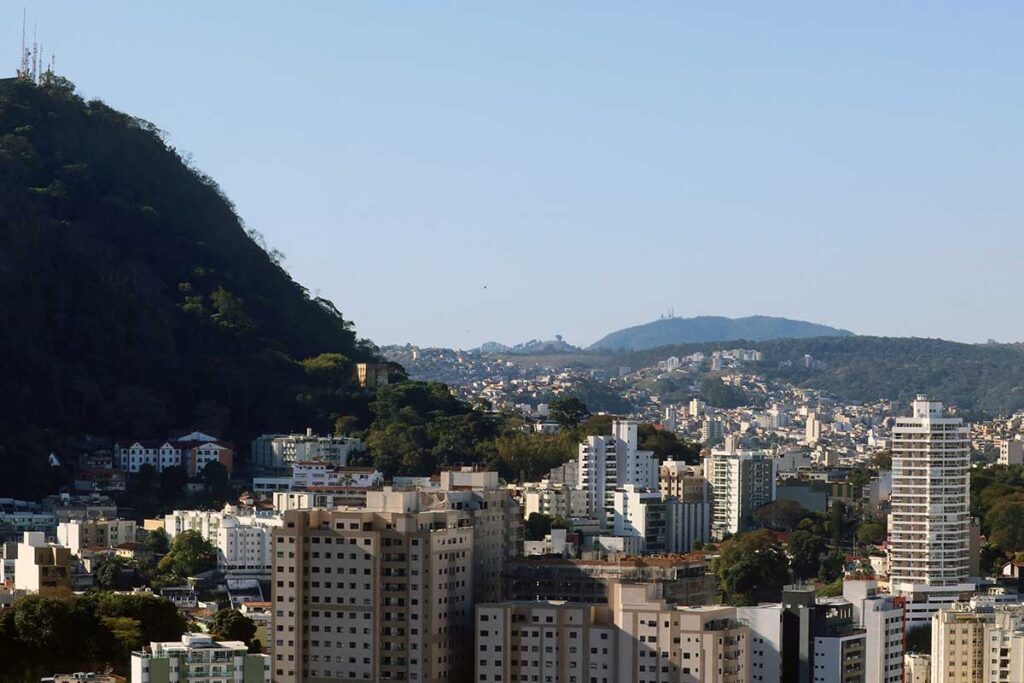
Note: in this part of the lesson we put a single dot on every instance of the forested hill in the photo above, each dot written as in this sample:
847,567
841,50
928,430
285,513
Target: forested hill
987,378
132,299
710,328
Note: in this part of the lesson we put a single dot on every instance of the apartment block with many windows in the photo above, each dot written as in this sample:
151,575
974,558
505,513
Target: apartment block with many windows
929,529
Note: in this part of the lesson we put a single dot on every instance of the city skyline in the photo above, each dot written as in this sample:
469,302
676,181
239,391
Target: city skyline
810,146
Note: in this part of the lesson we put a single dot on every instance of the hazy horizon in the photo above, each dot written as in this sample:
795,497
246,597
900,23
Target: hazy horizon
450,175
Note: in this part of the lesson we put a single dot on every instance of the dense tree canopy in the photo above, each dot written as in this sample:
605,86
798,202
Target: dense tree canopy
780,515
752,568
230,624
567,411
131,295
42,634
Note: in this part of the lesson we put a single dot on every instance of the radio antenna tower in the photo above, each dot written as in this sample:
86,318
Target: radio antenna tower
23,68
35,53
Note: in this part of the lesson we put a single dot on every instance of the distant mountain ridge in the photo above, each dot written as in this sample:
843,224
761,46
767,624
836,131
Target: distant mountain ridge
711,328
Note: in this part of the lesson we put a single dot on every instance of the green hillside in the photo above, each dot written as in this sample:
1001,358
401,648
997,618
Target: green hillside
986,378
132,299
710,328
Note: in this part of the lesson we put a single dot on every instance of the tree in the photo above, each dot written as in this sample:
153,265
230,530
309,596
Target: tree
230,624
666,445
805,551
717,393
1005,522
107,573
158,541
567,411
752,568
882,460
538,526
190,554
858,479
780,515
831,567
871,533
218,483
920,639
172,484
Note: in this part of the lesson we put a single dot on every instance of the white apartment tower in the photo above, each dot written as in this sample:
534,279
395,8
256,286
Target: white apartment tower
740,482
929,531
608,462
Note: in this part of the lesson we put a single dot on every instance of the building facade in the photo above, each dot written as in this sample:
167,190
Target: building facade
929,529
199,659
740,483
634,637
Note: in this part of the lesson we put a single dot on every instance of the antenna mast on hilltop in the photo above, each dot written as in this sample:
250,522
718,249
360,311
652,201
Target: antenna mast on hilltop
23,68
32,65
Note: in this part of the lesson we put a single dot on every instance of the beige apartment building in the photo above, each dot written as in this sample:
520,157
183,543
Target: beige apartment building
635,637
684,482
978,641
387,592
370,596
41,566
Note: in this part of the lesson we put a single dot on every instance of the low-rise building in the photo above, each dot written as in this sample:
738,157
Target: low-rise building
41,566
198,658
105,533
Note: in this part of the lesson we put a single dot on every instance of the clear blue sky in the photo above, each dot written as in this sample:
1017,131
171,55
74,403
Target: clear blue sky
594,164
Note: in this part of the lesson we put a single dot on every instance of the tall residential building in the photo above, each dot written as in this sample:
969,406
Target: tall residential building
1011,452
740,483
640,513
978,641
360,595
711,430
686,524
687,497
608,462
812,429
199,659
670,420
386,592
634,637
929,529
882,618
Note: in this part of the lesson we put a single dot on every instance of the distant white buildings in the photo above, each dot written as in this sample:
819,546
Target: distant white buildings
193,452
275,451
103,533
242,538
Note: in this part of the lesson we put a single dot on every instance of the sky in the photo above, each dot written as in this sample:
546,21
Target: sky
453,173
